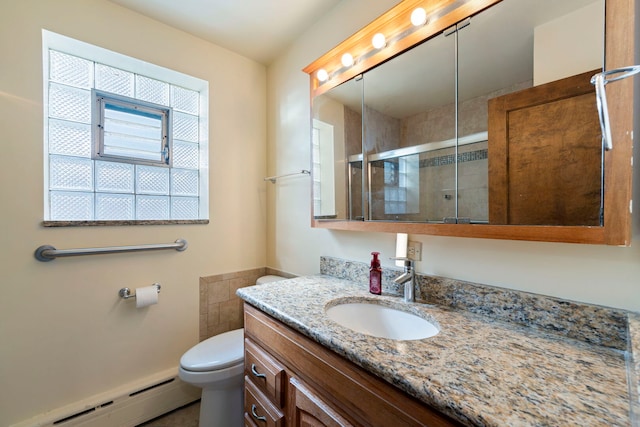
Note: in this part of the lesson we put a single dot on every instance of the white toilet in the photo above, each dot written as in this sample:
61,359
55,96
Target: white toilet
217,365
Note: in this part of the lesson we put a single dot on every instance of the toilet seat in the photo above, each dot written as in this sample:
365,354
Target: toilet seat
215,353
219,379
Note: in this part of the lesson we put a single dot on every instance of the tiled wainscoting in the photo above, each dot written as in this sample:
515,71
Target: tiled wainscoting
220,308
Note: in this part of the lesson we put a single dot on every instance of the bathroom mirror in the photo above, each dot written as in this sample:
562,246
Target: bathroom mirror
409,134
337,152
424,164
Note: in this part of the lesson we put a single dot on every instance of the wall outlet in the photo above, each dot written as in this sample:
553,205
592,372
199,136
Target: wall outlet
414,251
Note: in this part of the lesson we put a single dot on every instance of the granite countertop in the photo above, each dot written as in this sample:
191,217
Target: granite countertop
478,370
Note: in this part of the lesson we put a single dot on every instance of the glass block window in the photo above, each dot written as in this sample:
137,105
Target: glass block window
146,159
402,185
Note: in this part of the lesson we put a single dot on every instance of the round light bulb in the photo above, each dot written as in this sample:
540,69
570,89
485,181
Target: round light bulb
322,75
347,60
379,41
418,17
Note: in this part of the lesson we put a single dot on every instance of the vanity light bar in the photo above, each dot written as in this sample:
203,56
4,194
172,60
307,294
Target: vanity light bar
405,25
378,41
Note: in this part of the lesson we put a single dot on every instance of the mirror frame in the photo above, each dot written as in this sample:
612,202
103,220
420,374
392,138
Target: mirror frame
619,52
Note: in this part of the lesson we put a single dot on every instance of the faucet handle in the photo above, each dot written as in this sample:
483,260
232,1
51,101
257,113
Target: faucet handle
408,262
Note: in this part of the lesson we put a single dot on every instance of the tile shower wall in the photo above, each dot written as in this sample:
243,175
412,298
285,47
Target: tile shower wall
437,182
433,198
220,308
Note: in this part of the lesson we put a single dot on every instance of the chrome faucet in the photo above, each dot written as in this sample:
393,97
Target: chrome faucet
408,278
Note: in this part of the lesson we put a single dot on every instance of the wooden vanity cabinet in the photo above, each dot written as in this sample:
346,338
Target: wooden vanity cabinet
317,386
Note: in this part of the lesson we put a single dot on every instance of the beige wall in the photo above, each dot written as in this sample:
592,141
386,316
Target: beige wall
563,47
588,273
65,334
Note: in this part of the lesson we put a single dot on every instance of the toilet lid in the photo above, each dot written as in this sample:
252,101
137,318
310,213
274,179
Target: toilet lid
268,279
217,352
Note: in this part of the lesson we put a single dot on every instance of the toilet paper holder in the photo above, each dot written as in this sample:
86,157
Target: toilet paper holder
126,292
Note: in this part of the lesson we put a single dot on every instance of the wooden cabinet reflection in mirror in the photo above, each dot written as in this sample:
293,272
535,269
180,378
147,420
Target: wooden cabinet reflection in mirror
546,151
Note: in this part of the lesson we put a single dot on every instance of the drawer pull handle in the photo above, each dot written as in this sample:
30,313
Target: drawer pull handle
256,373
256,416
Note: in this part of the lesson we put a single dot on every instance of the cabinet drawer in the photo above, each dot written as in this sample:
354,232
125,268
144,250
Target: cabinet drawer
248,421
265,372
259,409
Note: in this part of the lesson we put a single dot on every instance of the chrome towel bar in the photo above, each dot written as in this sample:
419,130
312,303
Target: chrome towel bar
48,253
126,292
599,81
274,178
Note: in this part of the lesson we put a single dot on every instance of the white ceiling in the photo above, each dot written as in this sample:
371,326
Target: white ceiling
257,29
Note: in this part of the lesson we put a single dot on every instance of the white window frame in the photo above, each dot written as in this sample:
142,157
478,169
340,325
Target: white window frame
324,198
99,55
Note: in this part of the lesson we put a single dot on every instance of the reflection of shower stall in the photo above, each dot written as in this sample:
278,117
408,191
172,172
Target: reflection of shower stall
424,183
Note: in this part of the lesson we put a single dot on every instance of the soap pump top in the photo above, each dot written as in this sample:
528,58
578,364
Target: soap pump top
375,262
375,275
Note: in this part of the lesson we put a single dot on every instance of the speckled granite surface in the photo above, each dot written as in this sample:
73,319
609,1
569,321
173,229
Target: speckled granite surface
479,370
633,366
586,322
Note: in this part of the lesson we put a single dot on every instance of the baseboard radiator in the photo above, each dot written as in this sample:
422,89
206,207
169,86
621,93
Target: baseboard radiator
125,407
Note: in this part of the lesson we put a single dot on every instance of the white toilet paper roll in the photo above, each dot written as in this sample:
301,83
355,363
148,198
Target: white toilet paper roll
146,296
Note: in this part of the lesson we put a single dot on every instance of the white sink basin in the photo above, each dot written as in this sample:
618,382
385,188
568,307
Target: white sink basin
381,321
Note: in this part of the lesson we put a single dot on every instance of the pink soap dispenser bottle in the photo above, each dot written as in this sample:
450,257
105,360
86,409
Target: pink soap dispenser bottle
375,275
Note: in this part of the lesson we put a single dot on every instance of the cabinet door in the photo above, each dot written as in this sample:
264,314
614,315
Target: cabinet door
309,410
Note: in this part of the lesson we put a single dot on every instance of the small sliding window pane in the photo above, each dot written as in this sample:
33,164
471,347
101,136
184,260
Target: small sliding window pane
132,131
